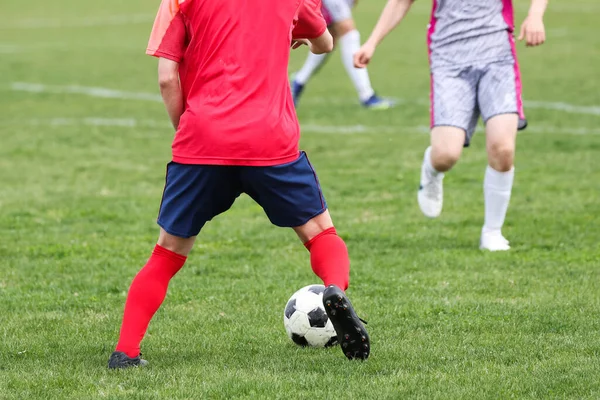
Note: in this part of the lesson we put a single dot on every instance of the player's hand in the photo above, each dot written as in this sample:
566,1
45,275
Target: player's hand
299,42
363,56
533,31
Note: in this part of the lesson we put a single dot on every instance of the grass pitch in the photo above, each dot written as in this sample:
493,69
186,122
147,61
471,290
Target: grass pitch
81,179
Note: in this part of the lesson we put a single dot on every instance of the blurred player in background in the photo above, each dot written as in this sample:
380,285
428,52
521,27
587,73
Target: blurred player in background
474,72
223,78
338,14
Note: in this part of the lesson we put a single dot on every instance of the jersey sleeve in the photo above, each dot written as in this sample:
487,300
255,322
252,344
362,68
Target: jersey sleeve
310,23
169,37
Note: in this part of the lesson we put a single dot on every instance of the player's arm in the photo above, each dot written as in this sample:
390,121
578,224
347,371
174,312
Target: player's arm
168,42
319,45
170,89
311,29
392,14
322,44
533,30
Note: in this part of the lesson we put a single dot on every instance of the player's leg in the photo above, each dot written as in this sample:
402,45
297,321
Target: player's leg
146,293
328,253
313,63
454,116
348,37
499,103
291,196
330,261
446,147
193,195
349,43
311,66
501,132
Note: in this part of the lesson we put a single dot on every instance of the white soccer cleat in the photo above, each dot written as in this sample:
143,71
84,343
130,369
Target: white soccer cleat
431,193
493,241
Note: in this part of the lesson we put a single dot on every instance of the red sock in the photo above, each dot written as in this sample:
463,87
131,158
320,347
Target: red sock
146,294
329,258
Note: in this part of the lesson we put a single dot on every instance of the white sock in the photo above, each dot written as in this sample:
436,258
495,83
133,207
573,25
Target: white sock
311,65
349,45
428,165
497,187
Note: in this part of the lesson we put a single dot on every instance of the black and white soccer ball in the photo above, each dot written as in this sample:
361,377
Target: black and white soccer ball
305,319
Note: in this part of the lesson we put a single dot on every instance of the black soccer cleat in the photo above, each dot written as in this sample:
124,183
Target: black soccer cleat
351,333
120,360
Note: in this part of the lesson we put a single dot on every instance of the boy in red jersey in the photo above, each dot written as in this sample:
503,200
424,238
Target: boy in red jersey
223,77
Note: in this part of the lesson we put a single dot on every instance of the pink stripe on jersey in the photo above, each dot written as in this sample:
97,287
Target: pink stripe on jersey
431,27
508,14
430,32
518,83
509,17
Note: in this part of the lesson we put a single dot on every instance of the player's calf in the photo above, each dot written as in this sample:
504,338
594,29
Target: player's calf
329,258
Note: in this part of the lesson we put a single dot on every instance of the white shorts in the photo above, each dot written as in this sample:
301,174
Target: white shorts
337,10
460,95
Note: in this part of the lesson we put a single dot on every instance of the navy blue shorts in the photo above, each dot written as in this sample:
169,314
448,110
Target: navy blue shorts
289,193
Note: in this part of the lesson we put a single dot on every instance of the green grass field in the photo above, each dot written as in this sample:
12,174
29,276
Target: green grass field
82,176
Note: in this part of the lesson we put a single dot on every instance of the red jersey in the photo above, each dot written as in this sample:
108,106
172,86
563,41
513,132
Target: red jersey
233,58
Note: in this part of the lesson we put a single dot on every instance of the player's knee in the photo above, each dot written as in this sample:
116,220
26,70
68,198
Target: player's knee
501,156
175,244
314,227
343,27
442,159
447,144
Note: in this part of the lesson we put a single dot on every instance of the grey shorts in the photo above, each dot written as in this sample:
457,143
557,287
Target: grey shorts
337,10
459,96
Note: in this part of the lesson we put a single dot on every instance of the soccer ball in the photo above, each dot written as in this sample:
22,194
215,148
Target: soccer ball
305,319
